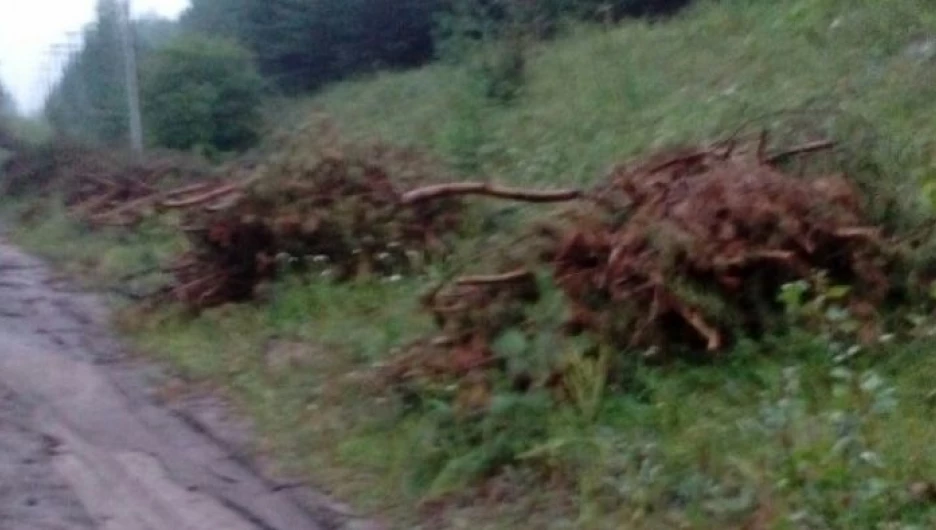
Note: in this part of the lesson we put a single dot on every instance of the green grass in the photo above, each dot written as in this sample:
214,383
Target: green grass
785,434
595,98
101,258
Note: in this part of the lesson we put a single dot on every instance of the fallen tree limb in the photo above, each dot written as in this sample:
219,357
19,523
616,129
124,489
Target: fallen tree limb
859,232
129,207
191,188
810,147
489,190
713,340
493,279
94,203
228,201
203,197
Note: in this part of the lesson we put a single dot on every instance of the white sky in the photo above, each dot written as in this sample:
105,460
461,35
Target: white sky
29,28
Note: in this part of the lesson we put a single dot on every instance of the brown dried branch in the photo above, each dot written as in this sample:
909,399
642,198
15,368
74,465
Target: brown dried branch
493,279
858,232
130,207
713,339
202,197
191,188
812,147
490,190
762,147
756,255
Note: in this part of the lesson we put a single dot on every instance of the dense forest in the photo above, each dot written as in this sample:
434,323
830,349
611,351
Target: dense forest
287,47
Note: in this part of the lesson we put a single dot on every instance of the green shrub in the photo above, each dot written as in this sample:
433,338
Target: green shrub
202,92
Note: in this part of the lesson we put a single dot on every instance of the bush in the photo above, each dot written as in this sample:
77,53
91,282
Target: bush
202,92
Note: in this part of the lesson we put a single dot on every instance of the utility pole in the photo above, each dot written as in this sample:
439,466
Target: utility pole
130,68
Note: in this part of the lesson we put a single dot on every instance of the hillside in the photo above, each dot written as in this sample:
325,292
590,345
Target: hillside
595,97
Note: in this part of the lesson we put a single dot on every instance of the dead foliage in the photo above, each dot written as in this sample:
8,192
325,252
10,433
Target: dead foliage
127,195
681,252
33,171
692,247
341,209
470,314
322,204
99,188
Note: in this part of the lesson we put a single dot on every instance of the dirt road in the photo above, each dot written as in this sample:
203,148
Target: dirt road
84,445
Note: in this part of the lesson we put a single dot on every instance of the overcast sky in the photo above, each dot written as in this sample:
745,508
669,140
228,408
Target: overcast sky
28,29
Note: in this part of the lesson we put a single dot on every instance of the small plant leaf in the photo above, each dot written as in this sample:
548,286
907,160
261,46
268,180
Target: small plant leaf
511,343
838,292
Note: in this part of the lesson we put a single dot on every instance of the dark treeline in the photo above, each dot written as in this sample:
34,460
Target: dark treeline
296,45
301,44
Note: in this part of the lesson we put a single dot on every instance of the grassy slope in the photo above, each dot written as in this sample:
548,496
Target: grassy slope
597,97
783,433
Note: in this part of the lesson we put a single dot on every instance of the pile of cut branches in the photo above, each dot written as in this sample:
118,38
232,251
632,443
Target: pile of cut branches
680,253
692,247
322,205
318,204
121,198
99,188
34,170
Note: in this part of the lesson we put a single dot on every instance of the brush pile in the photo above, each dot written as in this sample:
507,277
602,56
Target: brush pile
130,194
99,188
319,205
35,170
677,254
692,247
